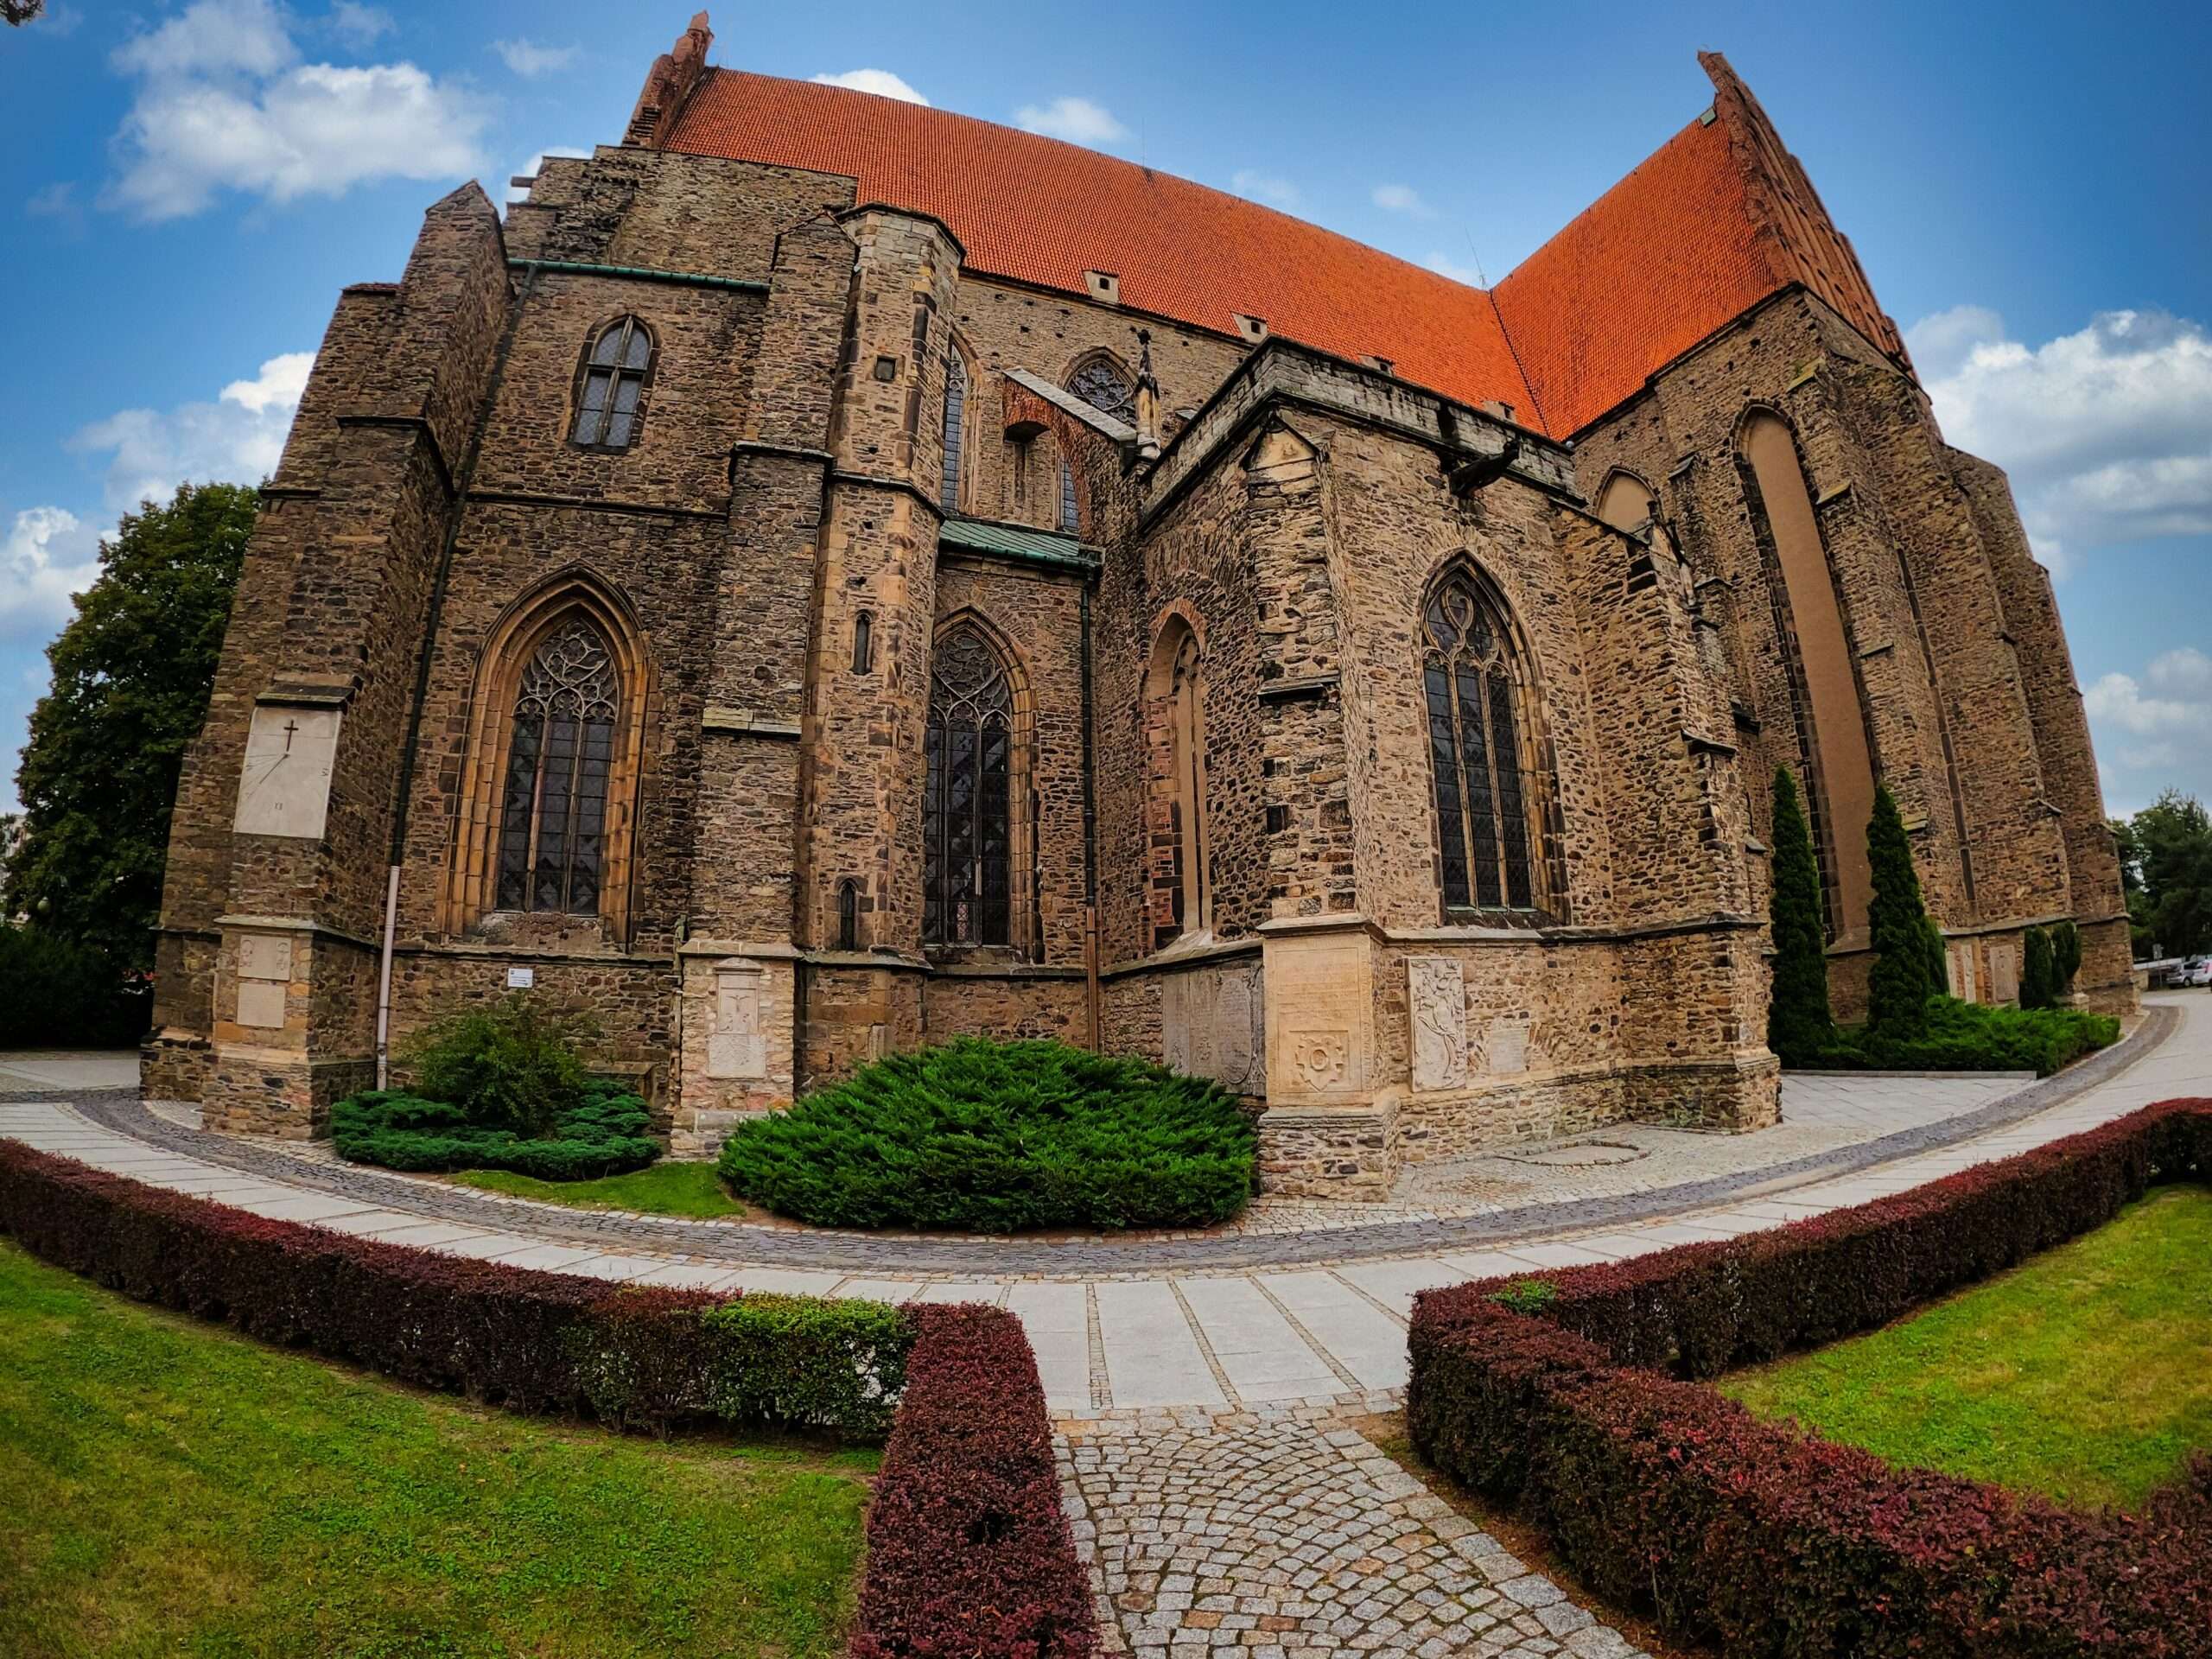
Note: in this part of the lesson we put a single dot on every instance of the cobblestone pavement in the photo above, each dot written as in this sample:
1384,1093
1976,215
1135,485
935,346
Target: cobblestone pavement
1277,1532
1225,1324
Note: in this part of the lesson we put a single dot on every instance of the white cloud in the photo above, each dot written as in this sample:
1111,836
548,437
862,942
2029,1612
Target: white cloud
882,82
529,60
529,168
1444,265
1271,188
2107,433
224,105
49,555
1402,199
1076,119
358,25
239,438
2154,732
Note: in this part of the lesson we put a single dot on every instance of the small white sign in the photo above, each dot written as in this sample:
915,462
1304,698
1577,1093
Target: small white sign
521,979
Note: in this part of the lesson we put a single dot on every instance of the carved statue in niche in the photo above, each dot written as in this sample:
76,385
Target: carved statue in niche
1437,996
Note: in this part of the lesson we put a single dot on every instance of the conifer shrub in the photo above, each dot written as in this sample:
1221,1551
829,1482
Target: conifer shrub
1956,1036
2039,970
1907,955
1799,1024
999,1137
500,1088
2066,955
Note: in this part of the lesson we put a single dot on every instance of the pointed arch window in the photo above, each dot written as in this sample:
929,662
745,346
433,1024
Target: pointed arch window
1181,898
607,413
1071,520
956,421
1101,383
553,809
1476,730
967,827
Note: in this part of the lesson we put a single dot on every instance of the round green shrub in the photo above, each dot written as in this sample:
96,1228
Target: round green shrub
513,1066
603,1133
999,1137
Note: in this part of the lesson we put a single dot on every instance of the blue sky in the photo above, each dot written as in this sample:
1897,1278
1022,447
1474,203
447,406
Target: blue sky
185,187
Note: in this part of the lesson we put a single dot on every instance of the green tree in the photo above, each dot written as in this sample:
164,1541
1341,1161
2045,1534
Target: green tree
1906,950
2066,955
132,671
2169,843
1798,1022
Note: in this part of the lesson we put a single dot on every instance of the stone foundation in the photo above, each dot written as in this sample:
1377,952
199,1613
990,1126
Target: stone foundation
1343,1153
174,1066
279,1092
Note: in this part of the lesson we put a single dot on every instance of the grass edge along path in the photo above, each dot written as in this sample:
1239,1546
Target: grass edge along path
690,1188
170,1487
2078,1375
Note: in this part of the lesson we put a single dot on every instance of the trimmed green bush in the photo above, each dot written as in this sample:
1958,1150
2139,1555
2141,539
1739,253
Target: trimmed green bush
1907,955
1799,1023
999,1137
511,1066
1957,1036
807,1360
603,1133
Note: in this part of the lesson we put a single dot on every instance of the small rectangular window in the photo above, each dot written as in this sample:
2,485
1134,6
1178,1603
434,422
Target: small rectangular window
864,643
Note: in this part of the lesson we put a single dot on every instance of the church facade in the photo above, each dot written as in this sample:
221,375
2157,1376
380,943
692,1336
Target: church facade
825,575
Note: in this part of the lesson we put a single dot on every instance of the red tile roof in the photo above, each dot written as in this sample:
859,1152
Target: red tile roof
1721,216
1043,212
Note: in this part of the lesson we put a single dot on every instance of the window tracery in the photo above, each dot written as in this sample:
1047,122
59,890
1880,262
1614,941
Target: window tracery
1475,731
553,816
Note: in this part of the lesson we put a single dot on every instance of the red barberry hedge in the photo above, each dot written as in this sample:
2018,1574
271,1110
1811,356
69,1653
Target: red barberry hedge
1669,1496
968,1552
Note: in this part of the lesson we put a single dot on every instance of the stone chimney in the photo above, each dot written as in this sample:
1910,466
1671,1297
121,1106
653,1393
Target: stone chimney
1148,411
669,81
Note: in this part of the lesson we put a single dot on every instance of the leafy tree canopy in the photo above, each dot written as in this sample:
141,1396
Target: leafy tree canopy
2165,862
132,671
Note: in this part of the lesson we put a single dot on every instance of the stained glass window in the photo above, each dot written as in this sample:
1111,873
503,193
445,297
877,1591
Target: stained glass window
1474,752
967,830
1101,384
553,816
614,378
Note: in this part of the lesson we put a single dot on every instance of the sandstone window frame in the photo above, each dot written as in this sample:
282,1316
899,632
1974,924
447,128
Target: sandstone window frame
849,914
1515,802
972,705
956,433
1179,888
1616,492
1101,378
472,884
626,368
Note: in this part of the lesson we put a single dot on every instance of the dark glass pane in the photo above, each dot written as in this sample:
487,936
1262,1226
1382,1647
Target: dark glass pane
863,643
1441,633
618,430
994,837
591,411
933,864
1474,765
514,815
626,388
549,882
1068,514
609,349
956,409
1444,765
1512,816
849,917
960,834
591,817
641,349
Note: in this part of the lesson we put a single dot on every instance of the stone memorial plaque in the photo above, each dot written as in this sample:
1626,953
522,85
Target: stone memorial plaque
1506,1051
735,1047
264,979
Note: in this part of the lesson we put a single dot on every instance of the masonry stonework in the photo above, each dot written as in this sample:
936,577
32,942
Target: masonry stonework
1384,687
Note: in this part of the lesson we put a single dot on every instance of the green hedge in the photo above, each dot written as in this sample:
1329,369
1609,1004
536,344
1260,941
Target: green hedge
1973,1037
605,1134
54,993
998,1137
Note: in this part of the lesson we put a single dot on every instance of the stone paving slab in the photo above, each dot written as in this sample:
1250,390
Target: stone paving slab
1275,1533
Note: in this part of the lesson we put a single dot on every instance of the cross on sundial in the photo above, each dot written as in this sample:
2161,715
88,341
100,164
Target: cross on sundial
290,726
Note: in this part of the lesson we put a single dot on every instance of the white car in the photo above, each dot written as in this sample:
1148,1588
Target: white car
2197,970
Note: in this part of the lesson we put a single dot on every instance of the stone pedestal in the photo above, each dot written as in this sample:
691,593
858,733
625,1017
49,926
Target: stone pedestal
1325,1134
292,1006
739,1028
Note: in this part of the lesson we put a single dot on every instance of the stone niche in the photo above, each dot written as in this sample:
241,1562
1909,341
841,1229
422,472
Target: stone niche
1213,1024
737,1047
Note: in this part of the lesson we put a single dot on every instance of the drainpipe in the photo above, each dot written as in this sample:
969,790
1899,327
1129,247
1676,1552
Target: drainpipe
1089,835
422,673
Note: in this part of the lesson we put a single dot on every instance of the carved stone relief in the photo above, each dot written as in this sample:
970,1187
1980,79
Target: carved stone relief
735,1047
1436,994
264,979
1320,992
1212,1025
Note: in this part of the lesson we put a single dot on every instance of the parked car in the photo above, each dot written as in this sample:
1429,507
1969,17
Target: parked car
2197,970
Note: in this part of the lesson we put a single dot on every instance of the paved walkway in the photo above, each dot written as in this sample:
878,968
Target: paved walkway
1227,1323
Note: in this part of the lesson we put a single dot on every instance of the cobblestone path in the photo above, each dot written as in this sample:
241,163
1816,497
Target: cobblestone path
1280,1532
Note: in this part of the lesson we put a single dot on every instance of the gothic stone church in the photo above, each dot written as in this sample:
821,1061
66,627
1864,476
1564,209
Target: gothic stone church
825,575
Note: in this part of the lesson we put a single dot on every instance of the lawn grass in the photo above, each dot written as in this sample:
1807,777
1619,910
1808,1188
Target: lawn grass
667,1188
2081,1376
167,1487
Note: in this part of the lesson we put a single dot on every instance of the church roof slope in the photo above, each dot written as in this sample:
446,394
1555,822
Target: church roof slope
1042,212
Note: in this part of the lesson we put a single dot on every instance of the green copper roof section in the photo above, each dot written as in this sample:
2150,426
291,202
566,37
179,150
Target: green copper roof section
1017,542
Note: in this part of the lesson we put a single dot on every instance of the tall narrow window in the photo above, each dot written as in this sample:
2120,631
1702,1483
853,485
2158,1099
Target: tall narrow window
553,816
614,380
967,829
1474,751
1069,518
956,418
848,916
1180,899
864,643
